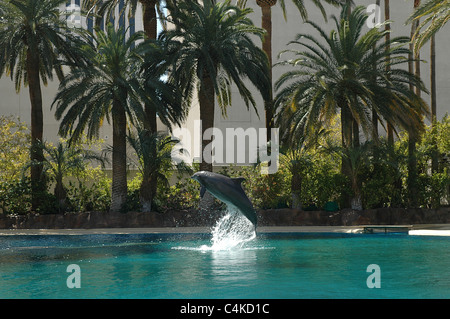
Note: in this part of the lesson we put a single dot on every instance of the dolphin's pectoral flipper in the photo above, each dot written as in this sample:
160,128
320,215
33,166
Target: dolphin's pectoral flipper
202,191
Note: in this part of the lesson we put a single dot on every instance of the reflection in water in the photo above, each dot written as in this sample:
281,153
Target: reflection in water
237,266
229,260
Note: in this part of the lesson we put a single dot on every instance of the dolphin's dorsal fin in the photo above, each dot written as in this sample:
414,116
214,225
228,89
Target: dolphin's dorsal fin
202,191
238,180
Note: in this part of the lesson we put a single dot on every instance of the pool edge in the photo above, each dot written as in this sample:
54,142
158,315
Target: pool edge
416,230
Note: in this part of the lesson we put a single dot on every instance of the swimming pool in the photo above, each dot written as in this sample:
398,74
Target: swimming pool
272,265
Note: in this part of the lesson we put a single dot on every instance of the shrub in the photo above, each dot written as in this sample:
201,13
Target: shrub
15,196
432,188
89,190
184,194
15,188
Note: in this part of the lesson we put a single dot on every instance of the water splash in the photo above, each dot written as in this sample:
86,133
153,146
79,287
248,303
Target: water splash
230,233
233,230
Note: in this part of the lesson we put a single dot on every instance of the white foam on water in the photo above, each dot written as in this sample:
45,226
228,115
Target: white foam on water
232,231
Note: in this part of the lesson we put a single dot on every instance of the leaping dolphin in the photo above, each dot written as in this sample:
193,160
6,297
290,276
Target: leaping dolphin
228,190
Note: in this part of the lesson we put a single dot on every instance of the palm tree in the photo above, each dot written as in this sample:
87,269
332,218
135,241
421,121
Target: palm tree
150,8
63,159
165,99
153,166
357,158
295,156
211,48
108,87
266,24
436,14
104,9
387,17
412,179
336,74
32,39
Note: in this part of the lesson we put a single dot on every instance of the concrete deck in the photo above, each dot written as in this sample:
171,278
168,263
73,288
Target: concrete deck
422,229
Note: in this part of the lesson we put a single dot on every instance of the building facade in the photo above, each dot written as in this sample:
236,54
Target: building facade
238,116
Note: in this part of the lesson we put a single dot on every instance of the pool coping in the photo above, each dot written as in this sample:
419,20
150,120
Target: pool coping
419,229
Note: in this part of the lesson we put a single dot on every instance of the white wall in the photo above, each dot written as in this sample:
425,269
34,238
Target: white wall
283,31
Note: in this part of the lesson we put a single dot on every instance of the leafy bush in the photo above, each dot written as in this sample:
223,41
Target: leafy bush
15,196
14,148
184,194
15,188
432,188
89,190
265,191
133,188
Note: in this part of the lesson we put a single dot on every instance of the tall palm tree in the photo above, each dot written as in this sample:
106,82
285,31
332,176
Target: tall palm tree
387,17
266,24
413,67
32,39
107,87
166,101
336,74
211,47
436,14
433,95
106,9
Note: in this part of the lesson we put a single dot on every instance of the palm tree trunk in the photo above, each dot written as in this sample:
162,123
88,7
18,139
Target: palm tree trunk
38,185
387,16
435,155
374,111
355,128
412,160
149,18
347,141
206,101
435,152
119,158
60,194
356,201
146,193
148,187
266,22
296,189
150,29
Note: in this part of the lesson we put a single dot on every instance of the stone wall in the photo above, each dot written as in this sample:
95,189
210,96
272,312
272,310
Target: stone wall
272,217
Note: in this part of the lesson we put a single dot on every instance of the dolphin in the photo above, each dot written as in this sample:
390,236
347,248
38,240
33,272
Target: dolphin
228,190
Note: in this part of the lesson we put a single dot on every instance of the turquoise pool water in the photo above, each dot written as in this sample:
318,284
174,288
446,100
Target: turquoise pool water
280,265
